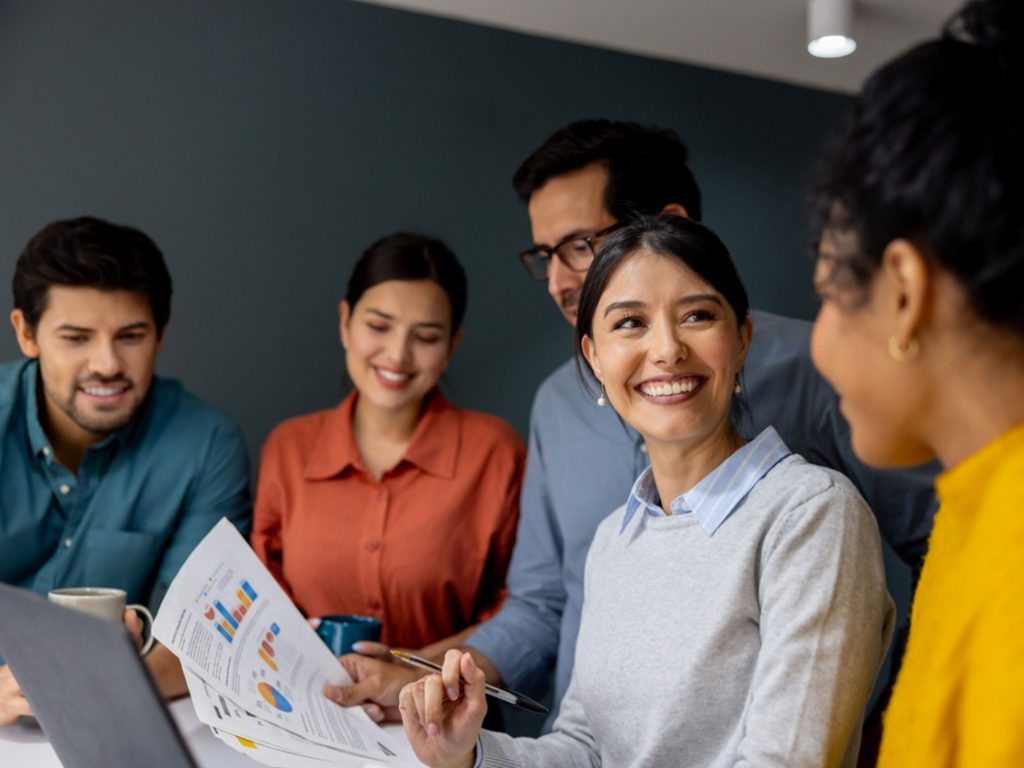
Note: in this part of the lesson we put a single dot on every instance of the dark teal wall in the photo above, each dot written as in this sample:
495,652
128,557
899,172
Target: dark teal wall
264,143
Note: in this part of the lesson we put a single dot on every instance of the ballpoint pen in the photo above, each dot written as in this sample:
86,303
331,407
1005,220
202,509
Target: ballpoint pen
519,700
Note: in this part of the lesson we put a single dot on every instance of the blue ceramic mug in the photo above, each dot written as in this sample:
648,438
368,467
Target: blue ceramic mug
341,630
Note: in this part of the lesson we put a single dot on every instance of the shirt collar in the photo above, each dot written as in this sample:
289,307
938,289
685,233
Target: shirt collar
434,446
37,436
720,493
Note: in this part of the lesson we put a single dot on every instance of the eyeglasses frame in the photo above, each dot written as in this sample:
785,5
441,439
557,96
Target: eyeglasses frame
548,251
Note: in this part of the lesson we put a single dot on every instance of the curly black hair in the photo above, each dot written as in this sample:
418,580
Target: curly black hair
933,153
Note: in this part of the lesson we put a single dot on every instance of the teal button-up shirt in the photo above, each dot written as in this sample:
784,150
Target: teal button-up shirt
143,498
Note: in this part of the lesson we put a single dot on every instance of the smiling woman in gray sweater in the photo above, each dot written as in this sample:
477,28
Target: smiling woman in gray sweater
735,610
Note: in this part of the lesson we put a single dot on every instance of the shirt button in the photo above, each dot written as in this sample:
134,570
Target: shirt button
68,543
372,545
46,451
643,447
374,604
64,489
382,495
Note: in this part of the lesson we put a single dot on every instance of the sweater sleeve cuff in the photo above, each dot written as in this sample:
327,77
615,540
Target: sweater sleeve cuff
496,750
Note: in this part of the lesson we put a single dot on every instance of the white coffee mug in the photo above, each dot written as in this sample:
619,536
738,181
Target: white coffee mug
104,603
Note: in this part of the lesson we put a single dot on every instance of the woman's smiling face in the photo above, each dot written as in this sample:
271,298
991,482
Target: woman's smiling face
398,341
668,349
881,397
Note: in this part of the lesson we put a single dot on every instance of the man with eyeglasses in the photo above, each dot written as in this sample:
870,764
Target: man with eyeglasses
586,180
574,253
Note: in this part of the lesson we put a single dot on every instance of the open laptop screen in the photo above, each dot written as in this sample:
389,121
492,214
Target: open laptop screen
87,685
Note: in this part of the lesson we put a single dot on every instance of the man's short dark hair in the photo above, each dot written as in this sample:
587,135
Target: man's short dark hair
647,166
91,253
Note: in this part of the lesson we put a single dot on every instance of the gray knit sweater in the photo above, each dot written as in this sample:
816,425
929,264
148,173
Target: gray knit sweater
757,646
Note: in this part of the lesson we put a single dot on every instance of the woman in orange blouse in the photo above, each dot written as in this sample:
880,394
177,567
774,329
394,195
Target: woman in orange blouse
395,503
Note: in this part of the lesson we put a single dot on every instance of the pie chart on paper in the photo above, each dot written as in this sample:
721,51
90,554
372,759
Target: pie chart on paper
274,697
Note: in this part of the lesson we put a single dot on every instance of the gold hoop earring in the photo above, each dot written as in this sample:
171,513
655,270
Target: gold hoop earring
602,401
902,353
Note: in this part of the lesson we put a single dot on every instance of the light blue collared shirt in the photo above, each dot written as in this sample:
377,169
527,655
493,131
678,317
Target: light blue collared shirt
720,493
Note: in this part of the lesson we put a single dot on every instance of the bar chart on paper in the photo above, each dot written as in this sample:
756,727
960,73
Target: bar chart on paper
228,620
266,650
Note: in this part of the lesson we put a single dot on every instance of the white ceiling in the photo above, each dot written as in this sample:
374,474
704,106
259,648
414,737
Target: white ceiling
764,38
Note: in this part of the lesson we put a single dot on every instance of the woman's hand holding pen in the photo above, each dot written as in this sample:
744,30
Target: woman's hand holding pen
443,713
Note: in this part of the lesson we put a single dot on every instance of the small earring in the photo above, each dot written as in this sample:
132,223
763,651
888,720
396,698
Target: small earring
738,389
901,353
603,399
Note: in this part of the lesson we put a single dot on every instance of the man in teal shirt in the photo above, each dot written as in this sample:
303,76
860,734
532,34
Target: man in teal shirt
109,476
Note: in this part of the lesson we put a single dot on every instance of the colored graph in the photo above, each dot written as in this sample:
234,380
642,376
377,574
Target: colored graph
266,650
227,620
274,697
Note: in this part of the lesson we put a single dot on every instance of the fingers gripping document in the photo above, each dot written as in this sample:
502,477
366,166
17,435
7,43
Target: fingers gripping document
255,668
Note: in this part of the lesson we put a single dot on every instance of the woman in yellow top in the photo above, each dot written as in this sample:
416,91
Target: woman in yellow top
921,331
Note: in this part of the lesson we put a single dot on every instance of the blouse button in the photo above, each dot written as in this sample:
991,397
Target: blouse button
374,604
372,544
382,495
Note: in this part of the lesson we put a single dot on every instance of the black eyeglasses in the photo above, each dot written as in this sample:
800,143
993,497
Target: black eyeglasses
576,252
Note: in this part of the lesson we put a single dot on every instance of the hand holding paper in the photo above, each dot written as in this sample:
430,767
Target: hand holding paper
236,631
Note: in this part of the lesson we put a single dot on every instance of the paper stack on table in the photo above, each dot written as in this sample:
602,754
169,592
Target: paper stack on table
256,669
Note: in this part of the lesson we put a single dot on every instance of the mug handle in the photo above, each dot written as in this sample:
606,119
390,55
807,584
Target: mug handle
144,611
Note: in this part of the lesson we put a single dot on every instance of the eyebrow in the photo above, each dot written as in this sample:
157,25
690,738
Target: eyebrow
385,316
68,327
571,235
694,298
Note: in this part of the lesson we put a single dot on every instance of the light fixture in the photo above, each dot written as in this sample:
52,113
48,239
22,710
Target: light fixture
828,28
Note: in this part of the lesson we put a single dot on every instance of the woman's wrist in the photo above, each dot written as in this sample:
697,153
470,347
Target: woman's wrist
469,761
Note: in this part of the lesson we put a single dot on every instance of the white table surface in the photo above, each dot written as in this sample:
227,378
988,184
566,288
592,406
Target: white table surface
24,745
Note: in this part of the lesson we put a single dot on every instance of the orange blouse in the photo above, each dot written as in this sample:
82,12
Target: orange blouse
425,549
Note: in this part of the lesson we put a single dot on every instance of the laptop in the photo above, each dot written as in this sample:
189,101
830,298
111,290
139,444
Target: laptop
87,685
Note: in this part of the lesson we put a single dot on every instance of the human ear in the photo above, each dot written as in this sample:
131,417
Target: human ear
676,209
160,336
746,333
25,334
590,355
345,315
906,288
453,345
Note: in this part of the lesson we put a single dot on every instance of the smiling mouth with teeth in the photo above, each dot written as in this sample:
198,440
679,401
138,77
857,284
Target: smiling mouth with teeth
666,388
104,388
393,375
104,391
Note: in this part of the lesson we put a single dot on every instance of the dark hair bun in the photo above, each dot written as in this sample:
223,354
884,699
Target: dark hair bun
934,153
997,25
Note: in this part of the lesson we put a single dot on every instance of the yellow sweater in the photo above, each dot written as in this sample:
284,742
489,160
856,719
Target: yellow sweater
959,699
